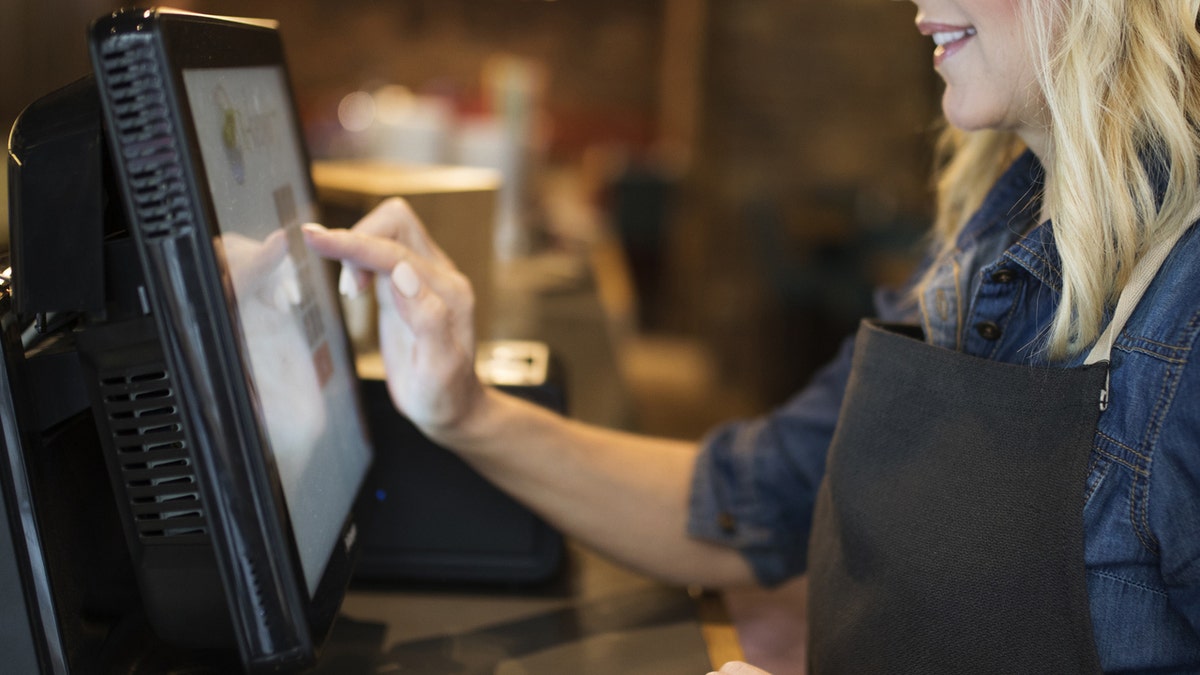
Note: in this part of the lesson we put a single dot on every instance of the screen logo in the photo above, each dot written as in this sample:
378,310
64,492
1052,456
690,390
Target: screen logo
229,135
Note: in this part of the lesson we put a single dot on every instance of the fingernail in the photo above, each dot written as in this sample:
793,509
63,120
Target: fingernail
348,281
404,278
314,227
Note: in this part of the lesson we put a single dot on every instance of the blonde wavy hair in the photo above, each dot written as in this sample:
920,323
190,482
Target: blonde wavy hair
1122,87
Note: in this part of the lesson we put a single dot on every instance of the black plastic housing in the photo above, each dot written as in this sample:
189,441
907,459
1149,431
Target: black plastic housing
123,350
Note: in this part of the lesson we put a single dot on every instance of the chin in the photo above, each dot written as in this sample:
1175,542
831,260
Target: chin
960,111
972,120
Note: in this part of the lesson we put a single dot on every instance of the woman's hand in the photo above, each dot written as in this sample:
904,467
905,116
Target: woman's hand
623,494
426,308
739,668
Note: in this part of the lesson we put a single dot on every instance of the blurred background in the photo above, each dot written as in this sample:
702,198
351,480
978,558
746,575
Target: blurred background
723,180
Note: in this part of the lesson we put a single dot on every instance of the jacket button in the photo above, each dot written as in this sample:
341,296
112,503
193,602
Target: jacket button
726,522
1003,276
988,330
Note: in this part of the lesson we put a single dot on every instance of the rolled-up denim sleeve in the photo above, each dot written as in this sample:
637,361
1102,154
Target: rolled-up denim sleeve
756,481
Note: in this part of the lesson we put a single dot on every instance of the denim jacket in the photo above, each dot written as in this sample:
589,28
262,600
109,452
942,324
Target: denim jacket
994,296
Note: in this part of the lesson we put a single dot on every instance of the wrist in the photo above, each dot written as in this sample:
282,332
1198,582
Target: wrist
495,421
478,421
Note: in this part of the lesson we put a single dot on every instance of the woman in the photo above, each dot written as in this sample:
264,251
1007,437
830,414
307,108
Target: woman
1014,486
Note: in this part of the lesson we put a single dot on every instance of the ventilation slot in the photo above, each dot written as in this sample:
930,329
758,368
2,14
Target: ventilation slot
156,467
147,145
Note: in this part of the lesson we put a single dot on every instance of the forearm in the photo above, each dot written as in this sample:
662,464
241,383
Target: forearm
624,495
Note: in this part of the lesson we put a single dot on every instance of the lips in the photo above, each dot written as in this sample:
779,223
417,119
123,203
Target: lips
948,38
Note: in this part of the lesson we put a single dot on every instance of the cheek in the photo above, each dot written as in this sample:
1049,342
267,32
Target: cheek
1024,91
1000,12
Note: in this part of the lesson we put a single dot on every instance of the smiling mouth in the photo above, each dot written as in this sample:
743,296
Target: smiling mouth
948,39
943,38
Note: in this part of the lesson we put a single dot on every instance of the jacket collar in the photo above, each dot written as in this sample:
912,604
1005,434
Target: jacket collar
1010,212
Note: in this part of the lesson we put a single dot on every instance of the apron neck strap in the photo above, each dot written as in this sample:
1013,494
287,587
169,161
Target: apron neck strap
1143,274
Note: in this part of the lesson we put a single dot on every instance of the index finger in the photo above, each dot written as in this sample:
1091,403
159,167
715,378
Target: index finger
394,219
364,251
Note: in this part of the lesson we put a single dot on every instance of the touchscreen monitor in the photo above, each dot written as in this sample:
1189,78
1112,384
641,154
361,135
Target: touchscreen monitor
229,397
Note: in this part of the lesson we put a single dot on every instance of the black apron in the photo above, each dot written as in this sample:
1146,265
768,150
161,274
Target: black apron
948,536
948,531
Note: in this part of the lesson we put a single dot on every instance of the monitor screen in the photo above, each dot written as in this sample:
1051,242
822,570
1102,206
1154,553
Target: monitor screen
257,176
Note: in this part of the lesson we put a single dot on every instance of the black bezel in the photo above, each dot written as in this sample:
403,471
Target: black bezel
203,349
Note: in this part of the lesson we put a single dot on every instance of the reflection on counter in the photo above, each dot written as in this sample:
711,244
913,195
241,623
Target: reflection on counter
596,617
